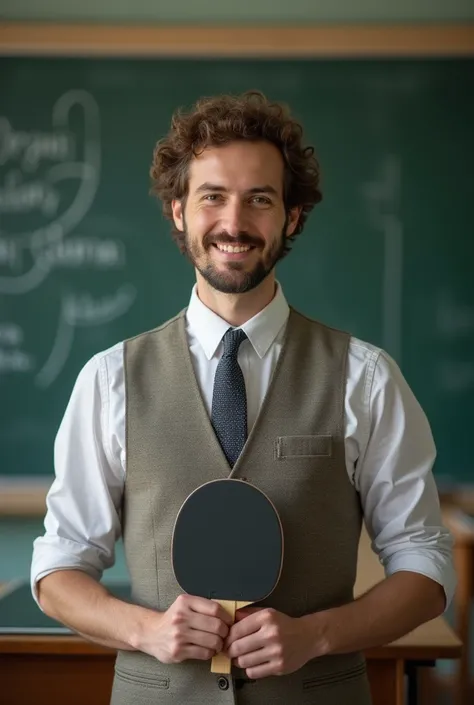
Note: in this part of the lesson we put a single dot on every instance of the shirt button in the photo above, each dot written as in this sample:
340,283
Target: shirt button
223,683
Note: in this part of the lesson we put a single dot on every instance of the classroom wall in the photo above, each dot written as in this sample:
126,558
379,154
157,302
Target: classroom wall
247,11
16,535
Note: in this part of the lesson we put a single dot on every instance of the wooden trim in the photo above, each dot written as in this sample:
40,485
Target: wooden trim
460,498
74,644
462,530
452,649
23,498
331,40
459,524
386,680
28,644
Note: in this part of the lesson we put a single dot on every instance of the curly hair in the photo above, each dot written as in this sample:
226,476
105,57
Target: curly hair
218,120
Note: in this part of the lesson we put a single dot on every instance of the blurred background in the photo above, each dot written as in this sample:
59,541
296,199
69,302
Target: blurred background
385,92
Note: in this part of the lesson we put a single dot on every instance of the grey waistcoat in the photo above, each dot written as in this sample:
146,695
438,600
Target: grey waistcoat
294,453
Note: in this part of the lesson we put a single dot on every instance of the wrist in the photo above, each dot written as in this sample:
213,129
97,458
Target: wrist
143,626
317,629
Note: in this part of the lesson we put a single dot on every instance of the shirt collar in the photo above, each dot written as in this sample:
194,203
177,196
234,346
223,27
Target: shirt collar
261,330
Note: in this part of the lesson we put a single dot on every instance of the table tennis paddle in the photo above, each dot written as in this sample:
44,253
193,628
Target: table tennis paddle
227,546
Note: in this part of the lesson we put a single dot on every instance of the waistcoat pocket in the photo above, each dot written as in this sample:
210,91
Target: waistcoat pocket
143,679
335,677
293,447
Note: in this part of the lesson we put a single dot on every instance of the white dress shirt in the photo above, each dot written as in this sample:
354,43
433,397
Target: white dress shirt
388,444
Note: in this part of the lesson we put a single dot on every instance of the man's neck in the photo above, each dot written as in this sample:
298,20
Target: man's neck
237,309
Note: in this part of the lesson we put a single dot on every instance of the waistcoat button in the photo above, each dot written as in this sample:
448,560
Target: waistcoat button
223,683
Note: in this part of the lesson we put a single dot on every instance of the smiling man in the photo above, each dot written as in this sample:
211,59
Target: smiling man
241,385
235,227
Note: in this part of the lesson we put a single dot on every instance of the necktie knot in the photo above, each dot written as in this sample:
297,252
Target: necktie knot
232,341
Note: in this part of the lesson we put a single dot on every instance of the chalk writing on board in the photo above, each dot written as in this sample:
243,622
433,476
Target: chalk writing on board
8,253
30,147
15,361
63,162
70,253
82,309
18,197
85,310
50,177
10,334
58,356
383,199
12,358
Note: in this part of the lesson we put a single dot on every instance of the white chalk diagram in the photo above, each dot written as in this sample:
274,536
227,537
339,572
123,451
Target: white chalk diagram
55,245
383,200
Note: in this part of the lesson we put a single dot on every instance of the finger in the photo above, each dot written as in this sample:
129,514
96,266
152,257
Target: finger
245,627
213,625
204,639
191,651
211,608
262,671
246,645
258,657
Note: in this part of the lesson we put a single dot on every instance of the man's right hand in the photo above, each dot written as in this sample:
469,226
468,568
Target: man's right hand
192,628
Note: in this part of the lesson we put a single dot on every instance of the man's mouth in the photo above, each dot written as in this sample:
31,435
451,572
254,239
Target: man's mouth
233,249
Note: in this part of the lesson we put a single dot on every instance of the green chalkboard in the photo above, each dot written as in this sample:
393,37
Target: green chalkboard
86,258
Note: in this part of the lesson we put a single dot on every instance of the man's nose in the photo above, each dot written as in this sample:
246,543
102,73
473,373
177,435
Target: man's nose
234,219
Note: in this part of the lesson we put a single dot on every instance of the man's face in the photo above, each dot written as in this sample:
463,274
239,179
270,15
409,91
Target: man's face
234,220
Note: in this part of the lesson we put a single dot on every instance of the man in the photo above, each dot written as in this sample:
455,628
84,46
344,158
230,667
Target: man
335,436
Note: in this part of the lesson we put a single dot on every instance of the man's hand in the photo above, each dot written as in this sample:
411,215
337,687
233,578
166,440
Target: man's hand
192,628
266,642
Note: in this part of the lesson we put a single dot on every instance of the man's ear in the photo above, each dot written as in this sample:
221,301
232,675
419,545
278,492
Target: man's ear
293,217
178,214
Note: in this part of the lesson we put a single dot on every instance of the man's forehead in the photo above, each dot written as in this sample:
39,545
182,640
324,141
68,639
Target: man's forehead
245,164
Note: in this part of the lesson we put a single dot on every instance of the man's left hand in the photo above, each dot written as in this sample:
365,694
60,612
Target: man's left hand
266,642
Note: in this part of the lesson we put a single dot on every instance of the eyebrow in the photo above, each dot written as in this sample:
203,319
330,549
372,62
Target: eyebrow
207,186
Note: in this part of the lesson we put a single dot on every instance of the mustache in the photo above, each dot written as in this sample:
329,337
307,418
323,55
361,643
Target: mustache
223,238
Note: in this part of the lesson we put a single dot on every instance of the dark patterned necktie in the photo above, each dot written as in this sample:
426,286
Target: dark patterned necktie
229,401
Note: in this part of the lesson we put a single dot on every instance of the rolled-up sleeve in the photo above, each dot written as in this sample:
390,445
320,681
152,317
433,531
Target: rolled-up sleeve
82,522
396,483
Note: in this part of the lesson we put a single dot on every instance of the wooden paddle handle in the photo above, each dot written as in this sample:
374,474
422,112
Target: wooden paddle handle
220,663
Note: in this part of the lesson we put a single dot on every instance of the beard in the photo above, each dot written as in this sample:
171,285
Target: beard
235,279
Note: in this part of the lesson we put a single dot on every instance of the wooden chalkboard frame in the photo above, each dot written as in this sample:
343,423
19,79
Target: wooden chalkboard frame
326,41
330,40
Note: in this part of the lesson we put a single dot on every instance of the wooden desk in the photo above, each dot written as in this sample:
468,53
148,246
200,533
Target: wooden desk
42,669
386,664
462,529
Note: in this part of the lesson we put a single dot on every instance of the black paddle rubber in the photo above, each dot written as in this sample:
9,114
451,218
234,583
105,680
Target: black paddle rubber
228,542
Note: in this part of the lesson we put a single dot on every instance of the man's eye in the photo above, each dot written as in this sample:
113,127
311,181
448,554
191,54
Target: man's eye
261,200
211,197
